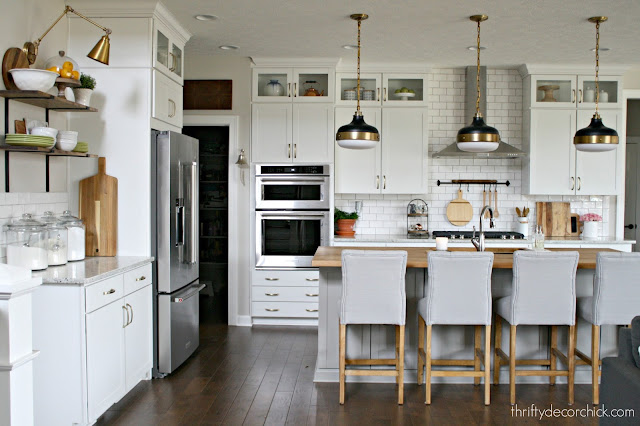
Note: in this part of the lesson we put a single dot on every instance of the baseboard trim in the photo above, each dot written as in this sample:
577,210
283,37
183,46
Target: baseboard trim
243,321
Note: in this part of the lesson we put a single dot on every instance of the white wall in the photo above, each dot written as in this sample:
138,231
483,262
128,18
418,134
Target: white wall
199,66
632,79
21,21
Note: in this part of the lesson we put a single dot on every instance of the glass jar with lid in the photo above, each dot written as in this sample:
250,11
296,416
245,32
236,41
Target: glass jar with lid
26,243
56,243
76,235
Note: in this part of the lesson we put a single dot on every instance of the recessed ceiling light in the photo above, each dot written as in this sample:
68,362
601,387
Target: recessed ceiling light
350,46
474,48
229,47
602,49
204,17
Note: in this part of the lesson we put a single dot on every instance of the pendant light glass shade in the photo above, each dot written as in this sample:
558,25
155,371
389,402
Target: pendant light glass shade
478,137
358,134
596,137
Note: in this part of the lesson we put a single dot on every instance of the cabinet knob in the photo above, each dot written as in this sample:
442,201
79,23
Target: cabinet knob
312,279
311,310
272,279
142,278
272,294
312,294
271,309
113,290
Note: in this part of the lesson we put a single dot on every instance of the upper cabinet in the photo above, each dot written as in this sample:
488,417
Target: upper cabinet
286,84
566,90
168,50
388,89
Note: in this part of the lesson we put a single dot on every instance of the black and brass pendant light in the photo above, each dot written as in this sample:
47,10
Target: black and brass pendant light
478,137
596,137
358,134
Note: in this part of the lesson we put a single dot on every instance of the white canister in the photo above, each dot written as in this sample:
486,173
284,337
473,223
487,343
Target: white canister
523,226
589,95
442,243
604,96
590,230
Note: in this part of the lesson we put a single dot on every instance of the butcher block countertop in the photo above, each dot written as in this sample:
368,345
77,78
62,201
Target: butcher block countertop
417,256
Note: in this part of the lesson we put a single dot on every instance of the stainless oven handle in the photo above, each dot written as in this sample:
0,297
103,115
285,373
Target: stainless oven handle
289,180
281,216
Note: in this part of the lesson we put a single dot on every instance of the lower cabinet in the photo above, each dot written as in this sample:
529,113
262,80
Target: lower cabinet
95,345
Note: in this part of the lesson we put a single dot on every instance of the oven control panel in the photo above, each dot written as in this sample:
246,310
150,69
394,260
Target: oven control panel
293,170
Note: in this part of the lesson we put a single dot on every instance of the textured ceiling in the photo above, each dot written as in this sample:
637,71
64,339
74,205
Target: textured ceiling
426,31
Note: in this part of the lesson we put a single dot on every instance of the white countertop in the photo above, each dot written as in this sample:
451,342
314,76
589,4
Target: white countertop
402,239
90,270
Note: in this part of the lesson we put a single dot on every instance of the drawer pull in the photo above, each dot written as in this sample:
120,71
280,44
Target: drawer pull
272,279
142,278
106,293
272,294
312,279
272,309
312,294
311,310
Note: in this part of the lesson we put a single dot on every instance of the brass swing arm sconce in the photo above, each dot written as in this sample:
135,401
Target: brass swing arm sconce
99,53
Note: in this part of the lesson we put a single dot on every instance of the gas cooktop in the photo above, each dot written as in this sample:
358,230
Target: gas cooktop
493,235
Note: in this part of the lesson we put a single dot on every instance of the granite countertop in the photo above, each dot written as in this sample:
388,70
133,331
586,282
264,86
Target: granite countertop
90,270
402,238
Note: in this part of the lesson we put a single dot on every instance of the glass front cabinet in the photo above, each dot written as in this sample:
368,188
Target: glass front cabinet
382,89
561,91
168,52
305,85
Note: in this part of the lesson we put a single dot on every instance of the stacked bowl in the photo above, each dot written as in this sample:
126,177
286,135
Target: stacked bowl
67,140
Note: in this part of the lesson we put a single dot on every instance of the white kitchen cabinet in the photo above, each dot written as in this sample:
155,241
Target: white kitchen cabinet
555,167
167,100
397,165
571,90
290,133
380,89
284,297
95,342
105,357
168,48
296,83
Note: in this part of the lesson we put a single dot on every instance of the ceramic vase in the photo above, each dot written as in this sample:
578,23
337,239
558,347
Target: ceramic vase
590,230
82,96
274,88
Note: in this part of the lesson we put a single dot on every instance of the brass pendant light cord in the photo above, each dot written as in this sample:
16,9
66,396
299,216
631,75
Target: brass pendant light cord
597,64
358,85
478,75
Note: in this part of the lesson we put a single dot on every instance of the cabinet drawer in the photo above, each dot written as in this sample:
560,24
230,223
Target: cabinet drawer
285,309
285,294
286,278
103,293
136,279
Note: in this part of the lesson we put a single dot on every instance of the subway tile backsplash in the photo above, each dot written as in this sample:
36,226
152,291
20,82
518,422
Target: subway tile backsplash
386,214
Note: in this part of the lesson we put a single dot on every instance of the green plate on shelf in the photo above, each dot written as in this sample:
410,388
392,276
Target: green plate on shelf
33,144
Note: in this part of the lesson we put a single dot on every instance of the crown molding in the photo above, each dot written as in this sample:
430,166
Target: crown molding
530,69
259,61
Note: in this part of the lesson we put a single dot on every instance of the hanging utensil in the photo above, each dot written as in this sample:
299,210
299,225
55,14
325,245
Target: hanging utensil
518,212
484,196
486,214
496,213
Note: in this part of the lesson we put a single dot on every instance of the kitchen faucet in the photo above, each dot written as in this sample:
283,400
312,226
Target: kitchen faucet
478,242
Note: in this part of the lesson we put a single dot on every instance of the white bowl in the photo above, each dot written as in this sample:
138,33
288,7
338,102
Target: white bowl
71,133
45,131
66,145
33,79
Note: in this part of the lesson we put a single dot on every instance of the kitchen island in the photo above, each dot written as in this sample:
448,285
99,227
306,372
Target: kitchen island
374,341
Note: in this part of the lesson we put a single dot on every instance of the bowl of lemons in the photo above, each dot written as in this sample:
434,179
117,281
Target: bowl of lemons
405,93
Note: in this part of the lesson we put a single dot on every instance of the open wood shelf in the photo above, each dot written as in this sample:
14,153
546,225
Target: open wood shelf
46,151
45,100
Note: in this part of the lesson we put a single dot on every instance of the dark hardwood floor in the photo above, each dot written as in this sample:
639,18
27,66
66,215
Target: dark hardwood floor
264,375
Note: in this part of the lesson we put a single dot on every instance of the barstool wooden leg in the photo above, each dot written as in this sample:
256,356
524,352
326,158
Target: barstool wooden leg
343,350
397,354
497,345
571,355
476,347
512,365
420,349
400,364
487,365
595,363
428,367
552,355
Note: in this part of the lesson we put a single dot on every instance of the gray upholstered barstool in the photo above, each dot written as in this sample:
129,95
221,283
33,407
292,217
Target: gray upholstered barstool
458,292
615,301
543,293
373,292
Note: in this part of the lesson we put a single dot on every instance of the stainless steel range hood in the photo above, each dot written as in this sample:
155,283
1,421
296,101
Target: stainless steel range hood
504,149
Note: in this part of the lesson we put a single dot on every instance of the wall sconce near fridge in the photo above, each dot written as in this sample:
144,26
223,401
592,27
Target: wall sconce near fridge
99,53
242,164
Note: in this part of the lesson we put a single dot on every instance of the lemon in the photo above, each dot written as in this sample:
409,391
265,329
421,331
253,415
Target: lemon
54,69
67,66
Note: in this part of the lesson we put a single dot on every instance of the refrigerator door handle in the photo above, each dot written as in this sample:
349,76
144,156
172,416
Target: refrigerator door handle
179,222
193,237
196,290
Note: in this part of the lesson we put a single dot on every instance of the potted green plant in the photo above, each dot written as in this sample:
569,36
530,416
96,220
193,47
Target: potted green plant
83,93
345,222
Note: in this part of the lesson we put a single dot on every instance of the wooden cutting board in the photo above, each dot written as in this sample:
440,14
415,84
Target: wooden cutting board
13,58
459,211
555,219
99,211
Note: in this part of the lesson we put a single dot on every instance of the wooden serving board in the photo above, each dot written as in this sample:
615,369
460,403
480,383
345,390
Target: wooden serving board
555,219
459,211
99,211
13,58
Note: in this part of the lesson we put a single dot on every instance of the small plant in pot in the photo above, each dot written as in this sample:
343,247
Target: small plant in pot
345,222
83,93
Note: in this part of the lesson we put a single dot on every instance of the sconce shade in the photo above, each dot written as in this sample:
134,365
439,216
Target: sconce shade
100,51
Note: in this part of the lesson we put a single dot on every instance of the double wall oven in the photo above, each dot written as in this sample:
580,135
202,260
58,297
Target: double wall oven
292,214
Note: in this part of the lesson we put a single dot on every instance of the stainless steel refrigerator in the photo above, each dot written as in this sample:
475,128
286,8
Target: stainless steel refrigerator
174,236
